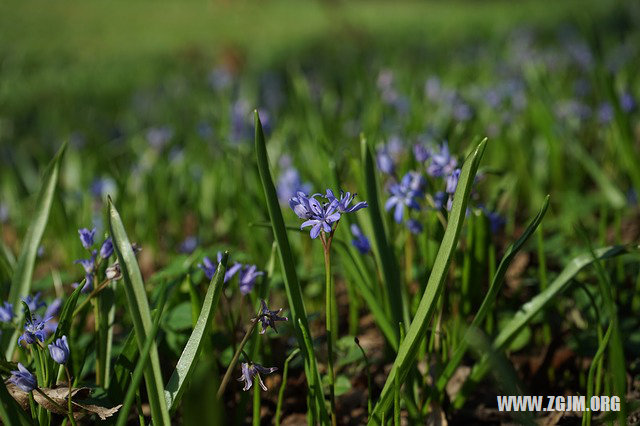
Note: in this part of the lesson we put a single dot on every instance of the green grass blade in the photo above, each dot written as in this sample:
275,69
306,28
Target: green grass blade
136,377
122,367
409,346
140,314
489,300
381,247
23,272
379,315
531,308
292,286
285,376
190,354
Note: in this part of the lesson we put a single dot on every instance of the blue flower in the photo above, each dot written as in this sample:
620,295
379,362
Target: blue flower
385,161
59,350
605,113
300,205
268,318
6,312
344,201
23,379
86,237
89,267
442,163
496,221
209,268
189,244
627,103
289,181
439,199
323,217
33,302
106,249
414,226
34,330
403,194
421,152
247,278
158,137
54,308
4,213
249,371
452,181
359,241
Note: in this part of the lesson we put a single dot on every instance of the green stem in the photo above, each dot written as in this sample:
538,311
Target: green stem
285,376
55,404
326,242
70,408
93,294
234,360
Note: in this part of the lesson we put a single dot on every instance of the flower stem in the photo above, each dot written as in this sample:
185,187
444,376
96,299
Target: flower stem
234,360
328,321
70,408
91,295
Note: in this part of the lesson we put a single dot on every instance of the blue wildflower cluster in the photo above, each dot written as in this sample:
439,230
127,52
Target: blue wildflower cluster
90,264
437,170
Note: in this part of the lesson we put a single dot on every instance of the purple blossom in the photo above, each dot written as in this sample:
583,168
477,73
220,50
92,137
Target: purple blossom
6,312
54,308
249,371
452,181
605,113
158,137
439,199
268,318
360,241
384,160
290,183
247,278
627,102
86,237
189,245
421,152
414,226
496,221
442,162
106,250
209,268
403,194
300,206
59,350
89,267
323,217
344,201
34,330
23,379
33,302
4,213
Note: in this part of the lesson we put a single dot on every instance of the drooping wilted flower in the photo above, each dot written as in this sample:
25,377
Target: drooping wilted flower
249,371
113,272
359,241
403,194
247,278
33,302
86,237
106,250
268,318
59,350
23,379
6,312
34,330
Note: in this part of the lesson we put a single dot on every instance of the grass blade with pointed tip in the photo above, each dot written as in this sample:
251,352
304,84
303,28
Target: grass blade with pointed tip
140,314
531,308
189,358
381,247
409,346
23,272
489,300
136,377
290,277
